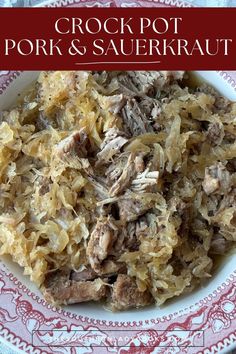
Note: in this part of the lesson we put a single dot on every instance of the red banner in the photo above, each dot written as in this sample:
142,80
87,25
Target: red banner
118,39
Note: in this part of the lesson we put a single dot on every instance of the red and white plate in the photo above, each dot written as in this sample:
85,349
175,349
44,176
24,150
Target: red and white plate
201,322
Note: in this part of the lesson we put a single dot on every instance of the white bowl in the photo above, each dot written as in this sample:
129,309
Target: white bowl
210,310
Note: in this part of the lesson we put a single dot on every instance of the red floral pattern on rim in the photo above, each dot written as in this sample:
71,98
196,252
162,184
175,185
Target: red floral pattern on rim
6,77
152,3
118,3
215,314
230,77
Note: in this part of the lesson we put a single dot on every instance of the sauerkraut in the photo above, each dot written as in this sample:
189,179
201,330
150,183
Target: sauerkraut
117,186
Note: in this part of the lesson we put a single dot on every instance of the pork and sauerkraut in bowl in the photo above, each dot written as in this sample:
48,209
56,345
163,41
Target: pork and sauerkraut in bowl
117,186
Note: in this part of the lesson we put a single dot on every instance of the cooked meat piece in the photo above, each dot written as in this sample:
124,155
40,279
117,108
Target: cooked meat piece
131,207
110,135
215,133
146,81
101,241
42,122
125,294
126,240
231,165
87,291
99,186
217,179
139,163
111,145
107,269
151,108
222,103
111,267
136,83
72,150
142,81
113,103
141,227
116,168
210,184
45,187
219,245
134,231
177,204
59,289
131,242
135,121
44,184
73,144
129,236
172,75
85,274
125,178
144,181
